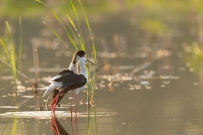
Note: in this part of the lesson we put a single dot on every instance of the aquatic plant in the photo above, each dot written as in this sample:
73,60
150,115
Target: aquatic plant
9,56
91,121
76,38
11,127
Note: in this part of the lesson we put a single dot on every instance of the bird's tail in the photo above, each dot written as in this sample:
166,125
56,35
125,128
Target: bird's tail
49,89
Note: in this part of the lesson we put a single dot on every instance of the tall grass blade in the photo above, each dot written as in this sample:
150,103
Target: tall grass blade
93,85
71,22
4,61
88,120
5,49
89,87
95,120
20,47
86,19
94,50
57,18
82,46
13,65
6,127
14,128
21,127
73,33
74,10
9,30
55,33
89,28
35,60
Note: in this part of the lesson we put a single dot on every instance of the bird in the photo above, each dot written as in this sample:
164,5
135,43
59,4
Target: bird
73,67
57,127
68,81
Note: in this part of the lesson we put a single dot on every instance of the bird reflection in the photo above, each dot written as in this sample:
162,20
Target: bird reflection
57,127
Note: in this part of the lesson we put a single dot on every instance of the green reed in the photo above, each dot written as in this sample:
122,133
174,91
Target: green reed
91,121
9,56
4,129
75,36
12,126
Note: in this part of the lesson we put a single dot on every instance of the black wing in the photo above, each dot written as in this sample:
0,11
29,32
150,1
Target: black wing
64,71
72,79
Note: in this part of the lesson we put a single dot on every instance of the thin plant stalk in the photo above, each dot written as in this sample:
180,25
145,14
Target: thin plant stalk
10,129
88,120
56,34
89,28
14,71
73,33
13,58
21,127
93,49
91,121
5,49
35,60
14,127
20,45
57,18
10,56
95,120
5,127
80,35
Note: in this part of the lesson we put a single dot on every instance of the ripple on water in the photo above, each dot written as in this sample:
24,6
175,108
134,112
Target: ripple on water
48,114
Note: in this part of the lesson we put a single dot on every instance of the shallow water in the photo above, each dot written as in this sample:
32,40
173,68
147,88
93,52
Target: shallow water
139,91
153,100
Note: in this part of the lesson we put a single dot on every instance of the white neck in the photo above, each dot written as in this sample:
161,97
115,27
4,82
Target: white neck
73,67
83,71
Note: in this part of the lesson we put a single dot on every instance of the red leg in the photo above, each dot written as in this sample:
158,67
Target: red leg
54,104
76,123
54,126
71,106
76,101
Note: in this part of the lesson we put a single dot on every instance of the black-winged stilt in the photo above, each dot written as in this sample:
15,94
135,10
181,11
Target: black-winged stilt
73,67
68,81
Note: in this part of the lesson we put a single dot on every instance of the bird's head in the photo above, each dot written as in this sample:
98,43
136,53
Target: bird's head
77,55
83,61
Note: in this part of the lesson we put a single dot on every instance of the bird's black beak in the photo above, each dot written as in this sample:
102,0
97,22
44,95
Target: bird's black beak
90,62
